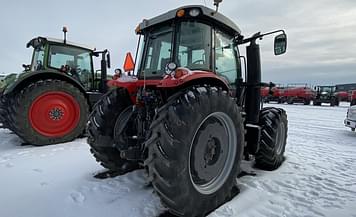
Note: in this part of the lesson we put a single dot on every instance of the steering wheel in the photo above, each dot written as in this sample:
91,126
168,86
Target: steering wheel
198,62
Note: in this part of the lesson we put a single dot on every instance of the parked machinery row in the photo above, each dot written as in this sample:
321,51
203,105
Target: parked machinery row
302,93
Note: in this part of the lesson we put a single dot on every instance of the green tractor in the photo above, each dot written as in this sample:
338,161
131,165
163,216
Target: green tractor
49,102
326,94
185,114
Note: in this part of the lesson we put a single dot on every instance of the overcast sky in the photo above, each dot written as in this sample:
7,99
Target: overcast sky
321,33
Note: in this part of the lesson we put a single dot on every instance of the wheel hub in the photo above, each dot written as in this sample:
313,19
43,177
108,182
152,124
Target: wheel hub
56,114
211,152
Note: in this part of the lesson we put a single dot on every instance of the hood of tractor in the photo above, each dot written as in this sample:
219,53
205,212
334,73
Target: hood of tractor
6,80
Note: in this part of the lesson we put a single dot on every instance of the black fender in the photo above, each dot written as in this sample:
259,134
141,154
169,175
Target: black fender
27,77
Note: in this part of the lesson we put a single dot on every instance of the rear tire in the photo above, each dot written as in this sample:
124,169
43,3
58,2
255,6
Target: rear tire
101,127
307,102
182,128
273,138
48,112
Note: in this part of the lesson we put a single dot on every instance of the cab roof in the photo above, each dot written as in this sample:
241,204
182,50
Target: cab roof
206,14
59,41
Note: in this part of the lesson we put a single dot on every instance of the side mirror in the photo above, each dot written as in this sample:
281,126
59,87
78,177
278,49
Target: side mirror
26,67
280,44
129,64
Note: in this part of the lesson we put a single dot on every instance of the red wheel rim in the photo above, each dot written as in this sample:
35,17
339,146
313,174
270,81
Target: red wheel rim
54,114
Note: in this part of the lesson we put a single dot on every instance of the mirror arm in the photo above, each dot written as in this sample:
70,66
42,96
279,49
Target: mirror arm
256,36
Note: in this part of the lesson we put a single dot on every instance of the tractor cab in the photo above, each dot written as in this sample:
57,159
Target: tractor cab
186,41
67,58
189,43
194,38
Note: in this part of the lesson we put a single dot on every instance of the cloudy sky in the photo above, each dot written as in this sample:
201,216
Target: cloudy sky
321,33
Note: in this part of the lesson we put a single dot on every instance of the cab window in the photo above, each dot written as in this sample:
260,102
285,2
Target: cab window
75,62
227,63
38,58
194,45
158,51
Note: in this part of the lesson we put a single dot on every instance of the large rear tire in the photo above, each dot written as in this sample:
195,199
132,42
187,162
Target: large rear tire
100,129
273,138
195,150
48,112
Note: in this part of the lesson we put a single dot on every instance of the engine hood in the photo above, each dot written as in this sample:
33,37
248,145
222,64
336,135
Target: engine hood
6,80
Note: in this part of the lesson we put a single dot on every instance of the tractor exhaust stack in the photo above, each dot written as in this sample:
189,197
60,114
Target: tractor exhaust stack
65,30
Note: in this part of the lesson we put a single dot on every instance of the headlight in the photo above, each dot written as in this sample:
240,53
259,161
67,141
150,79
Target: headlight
194,12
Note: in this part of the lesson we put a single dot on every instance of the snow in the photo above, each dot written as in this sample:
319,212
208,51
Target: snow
318,177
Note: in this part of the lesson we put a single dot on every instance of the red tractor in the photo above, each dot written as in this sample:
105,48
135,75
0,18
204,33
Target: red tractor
296,93
185,114
353,97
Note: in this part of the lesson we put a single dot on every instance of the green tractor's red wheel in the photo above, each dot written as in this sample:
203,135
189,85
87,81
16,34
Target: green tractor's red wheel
54,114
48,112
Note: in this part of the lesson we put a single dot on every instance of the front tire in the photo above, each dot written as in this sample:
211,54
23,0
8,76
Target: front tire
273,138
100,129
195,150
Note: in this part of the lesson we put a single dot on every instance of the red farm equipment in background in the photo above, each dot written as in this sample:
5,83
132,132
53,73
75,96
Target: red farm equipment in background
353,97
342,96
298,93
274,94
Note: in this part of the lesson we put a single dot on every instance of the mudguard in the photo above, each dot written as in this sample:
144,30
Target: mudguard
24,78
170,82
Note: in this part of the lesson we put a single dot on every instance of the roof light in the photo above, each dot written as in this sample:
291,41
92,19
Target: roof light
194,12
180,13
138,29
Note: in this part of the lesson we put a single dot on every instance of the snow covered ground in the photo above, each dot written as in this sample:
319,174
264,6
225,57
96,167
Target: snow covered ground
317,179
